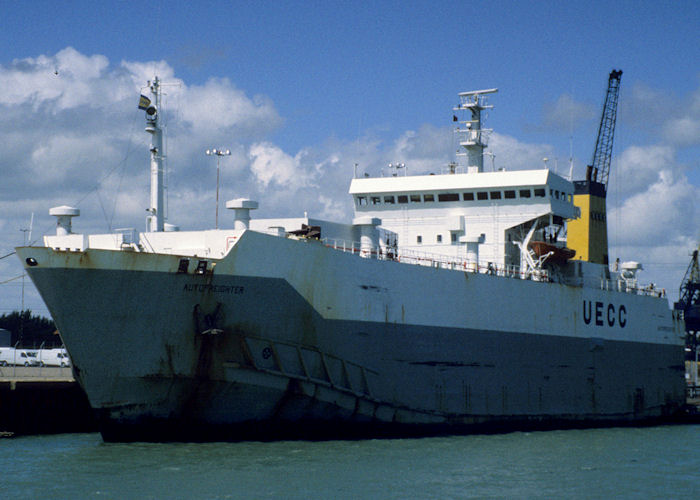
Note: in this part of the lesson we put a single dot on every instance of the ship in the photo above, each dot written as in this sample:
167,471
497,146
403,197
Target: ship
450,304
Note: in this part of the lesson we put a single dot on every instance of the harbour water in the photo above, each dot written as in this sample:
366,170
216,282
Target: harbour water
652,462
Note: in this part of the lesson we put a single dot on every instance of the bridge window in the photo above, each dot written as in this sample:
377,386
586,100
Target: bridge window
201,267
525,193
402,198
482,195
362,200
376,200
389,200
183,265
539,193
467,196
415,198
495,195
439,238
453,237
419,239
448,197
428,197
509,195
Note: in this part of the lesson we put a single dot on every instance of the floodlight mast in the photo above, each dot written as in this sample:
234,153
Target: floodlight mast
218,153
156,219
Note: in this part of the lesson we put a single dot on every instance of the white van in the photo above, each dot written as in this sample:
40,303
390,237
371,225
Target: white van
19,357
7,356
54,357
27,357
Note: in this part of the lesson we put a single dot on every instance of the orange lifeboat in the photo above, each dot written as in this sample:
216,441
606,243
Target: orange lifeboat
559,256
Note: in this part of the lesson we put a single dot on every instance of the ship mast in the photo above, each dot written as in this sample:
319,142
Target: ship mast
471,137
156,218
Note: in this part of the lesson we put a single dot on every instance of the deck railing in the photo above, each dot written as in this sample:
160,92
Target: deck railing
406,256
621,285
437,261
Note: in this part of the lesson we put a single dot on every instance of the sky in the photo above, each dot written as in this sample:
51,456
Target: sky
301,91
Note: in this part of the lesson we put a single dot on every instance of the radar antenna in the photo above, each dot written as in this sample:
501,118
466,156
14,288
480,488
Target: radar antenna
471,137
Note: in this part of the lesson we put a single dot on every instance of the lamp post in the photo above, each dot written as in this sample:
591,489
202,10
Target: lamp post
218,153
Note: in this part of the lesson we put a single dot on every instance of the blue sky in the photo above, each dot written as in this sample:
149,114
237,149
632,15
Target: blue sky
339,67
302,90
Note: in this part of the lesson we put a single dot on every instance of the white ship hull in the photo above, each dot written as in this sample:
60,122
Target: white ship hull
291,338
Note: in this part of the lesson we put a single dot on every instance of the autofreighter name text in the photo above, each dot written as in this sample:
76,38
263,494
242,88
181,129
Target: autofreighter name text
208,288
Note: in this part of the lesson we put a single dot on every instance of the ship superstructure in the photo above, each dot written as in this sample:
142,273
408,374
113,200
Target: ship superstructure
451,302
479,216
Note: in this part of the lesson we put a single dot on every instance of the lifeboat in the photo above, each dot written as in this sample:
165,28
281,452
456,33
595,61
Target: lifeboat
559,256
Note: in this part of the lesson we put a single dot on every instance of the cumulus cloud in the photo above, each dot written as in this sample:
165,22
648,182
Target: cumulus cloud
675,120
653,214
566,112
683,131
637,167
218,104
271,165
515,155
69,121
666,212
426,150
314,180
658,228
65,81
141,72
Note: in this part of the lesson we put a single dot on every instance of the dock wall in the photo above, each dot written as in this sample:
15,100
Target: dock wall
44,407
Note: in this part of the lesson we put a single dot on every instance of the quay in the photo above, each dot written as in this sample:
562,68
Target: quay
42,400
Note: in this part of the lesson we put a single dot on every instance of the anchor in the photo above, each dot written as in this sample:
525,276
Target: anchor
206,324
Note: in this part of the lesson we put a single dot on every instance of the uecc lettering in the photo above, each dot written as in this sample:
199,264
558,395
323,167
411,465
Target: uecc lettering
602,314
